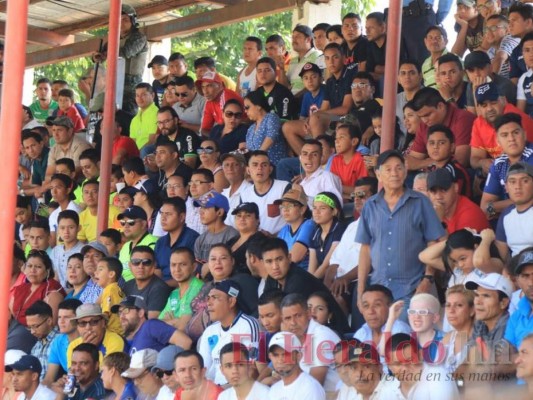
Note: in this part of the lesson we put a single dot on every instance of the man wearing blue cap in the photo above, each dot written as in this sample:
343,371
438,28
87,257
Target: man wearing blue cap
214,208
25,378
230,324
491,104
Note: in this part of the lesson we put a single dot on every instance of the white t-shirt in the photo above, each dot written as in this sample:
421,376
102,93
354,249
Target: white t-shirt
266,223
318,352
346,254
234,200
247,83
215,337
165,393
42,393
433,385
305,387
52,219
258,392
347,393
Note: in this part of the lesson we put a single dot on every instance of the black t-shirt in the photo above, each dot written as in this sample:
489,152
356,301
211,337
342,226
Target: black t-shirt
364,113
376,55
230,141
358,54
186,140
282,101
155,294
336,89
322,247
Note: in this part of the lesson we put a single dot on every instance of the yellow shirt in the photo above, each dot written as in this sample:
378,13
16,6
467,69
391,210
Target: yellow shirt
87,231
111,344
111,295
143,125
228,82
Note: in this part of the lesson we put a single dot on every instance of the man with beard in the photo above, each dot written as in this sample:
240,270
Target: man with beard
142,333
167,160
187,141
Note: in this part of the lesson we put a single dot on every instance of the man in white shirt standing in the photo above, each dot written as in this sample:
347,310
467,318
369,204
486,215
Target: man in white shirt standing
318,342
233,167
25,378
235,365
285,353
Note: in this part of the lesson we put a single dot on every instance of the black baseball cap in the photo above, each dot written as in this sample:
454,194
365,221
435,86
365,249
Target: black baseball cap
158,60
388,154
441,178
247,207
310,67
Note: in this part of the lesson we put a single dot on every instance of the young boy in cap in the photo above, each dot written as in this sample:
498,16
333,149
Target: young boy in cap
213,210
470,35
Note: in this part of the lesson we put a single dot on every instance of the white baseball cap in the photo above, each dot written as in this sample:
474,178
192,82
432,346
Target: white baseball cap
287,341
492,281
140,361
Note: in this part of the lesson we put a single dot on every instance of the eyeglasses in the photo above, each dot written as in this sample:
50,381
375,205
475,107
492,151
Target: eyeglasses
205,150
287,206
164,122
129,222
360,194
493,28
174,186
146,262
361,85
124,310
35,327
182,95
230,114
91,322
487,5
422,311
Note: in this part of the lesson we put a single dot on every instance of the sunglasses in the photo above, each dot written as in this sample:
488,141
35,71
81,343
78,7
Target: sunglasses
230,114
359,194
146,262
159,373
92,322
129,222
205,150
182,95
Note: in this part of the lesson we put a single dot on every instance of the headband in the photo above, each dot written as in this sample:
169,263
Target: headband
326,200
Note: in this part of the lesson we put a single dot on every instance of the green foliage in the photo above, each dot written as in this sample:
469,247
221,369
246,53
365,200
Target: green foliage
224,44
361,7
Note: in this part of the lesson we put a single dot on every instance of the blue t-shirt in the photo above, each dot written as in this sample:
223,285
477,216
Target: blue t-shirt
498,172
153,334
309,101
322,246
58,351
302,235
130,392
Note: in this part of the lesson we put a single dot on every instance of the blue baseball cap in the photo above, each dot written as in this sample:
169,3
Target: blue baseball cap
487,92
212,199
26,363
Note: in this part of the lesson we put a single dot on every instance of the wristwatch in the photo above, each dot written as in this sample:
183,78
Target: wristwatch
491,212
430,278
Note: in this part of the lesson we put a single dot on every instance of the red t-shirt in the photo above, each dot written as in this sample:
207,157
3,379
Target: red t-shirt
484,134
459,121
467,215
211,393
351,172
126,143
75,117
213,108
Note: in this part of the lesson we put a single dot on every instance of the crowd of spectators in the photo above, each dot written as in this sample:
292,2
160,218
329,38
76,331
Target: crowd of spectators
260,245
